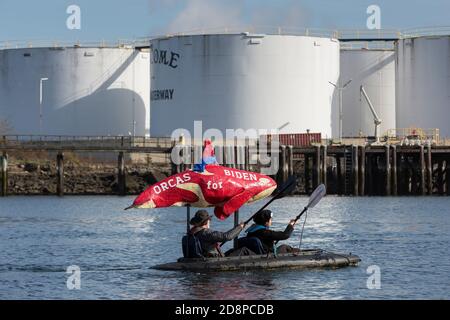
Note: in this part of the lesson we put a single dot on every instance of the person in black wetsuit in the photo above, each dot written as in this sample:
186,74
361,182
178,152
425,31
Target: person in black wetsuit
211,239
261,230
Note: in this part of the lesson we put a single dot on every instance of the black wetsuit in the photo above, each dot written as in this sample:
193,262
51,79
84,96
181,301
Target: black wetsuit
268,237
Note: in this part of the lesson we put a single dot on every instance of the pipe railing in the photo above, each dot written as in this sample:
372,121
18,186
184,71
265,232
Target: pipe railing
80,141
269,30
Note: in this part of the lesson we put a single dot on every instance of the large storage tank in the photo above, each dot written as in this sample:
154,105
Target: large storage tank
423,83
375,71
246,81
89,91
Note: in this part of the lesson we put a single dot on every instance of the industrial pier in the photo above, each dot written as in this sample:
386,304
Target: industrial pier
357,170
381,170
370,170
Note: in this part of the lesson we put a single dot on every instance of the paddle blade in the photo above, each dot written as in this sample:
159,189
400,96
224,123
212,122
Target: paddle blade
316,196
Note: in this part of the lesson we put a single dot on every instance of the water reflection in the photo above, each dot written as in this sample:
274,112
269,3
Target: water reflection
40,237
214,285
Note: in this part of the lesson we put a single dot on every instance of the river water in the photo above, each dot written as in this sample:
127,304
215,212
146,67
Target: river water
407,238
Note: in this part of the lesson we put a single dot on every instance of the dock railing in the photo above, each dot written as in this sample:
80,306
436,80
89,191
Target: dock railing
413,136
141,42
68,141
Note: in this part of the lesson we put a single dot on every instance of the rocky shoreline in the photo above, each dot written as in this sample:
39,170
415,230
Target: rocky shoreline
37,175
40,178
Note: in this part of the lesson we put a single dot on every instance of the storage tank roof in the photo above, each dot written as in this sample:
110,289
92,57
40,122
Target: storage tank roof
344,35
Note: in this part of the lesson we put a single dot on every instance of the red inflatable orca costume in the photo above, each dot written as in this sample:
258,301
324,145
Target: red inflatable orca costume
224,188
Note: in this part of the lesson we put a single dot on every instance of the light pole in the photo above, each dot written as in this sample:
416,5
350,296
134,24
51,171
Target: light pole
340,89
40,104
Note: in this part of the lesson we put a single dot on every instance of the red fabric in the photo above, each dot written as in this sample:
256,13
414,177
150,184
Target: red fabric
224,188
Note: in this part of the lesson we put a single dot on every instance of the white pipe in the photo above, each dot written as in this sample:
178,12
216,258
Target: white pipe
376,119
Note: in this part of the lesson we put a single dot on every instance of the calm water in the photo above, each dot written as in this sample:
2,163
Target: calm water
408,238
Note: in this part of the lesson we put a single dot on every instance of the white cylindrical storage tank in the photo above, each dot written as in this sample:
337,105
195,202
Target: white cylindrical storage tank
423,83
375,71
243,81
75,91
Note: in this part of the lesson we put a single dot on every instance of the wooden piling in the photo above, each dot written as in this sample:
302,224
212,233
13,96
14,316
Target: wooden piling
4,174
237,156
242,157
247,157
362,172
282,165
446,177
121,174
236,223
196,155
290,160
422,171
429,171
324,166
224,156
231,157
394,171
339,175
355,170
440,177
307,172
369,174
407,174
388,170
60,174
333,171
317,167
181,151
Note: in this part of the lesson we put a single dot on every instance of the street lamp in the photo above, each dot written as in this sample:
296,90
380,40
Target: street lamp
40,104
340,89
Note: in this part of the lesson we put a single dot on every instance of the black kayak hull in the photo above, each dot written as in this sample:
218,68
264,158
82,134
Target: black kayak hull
312,258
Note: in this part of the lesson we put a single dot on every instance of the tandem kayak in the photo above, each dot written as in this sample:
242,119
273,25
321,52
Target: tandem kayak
308,258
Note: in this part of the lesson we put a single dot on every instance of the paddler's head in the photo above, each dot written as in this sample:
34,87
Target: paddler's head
263,218
201,219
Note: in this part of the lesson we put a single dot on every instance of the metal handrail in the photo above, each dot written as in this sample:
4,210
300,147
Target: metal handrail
269,30
68,140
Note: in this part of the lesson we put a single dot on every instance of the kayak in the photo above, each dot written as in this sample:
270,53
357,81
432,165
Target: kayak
308,258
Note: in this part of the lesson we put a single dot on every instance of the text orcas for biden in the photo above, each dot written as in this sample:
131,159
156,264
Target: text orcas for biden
164,94
173,182
164,57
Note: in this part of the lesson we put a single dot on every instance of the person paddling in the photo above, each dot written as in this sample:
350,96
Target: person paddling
261,230
209,239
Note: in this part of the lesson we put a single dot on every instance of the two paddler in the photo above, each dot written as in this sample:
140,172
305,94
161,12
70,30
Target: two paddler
210,240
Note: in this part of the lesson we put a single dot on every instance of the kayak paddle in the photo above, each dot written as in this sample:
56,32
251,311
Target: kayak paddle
315,197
